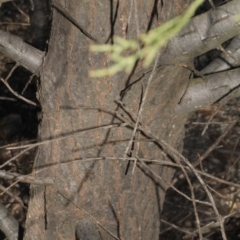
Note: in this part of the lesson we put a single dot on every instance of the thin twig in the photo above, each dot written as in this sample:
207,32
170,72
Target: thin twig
176,227
210,119
17,23
208,151
212,4
215,144
16,156
177,156
18,95
17,144
204,123
192,195
172,186
174,154
30,146
27,84
8,99
25,178
152,161
11,72
142,104
229,54
21,11
125,123
4,190
72,135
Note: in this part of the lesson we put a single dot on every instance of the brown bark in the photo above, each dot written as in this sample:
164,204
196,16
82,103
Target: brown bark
127,205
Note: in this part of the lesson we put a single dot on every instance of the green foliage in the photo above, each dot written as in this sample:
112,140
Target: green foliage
237,18
146,47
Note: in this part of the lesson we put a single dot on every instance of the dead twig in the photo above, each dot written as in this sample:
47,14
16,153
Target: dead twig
25,178
176,227
139,115
22,12
8,99
28,82
18,95
215,144
6,190
11,72
208,151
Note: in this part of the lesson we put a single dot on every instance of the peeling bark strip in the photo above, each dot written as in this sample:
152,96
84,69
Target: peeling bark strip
126,205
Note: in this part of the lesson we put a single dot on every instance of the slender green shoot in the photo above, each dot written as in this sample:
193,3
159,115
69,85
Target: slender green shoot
124,53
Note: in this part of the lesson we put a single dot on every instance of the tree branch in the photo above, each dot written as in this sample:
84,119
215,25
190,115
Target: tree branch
203,33
225,61
21,52
206,91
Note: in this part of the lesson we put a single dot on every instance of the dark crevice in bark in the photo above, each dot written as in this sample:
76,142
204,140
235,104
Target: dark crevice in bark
40,19
113,18
154,14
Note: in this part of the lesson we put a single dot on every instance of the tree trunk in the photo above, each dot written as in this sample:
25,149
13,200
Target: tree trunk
105,198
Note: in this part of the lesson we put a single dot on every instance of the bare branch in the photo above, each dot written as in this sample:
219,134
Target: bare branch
206,91
21,52
203,33
225,61
18,95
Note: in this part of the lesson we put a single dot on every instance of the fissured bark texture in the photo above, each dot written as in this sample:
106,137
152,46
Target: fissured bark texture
103,198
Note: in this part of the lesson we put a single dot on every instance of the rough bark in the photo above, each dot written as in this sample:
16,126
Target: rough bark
127,205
